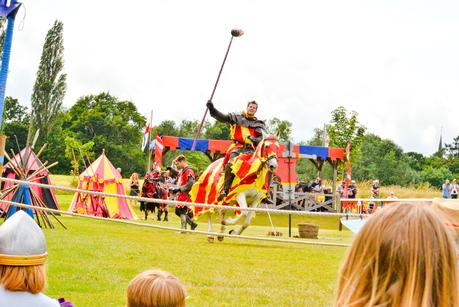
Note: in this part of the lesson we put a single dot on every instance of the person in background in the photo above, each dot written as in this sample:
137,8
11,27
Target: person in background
392,195
404,255
22,263
454,189
316,186
134,187
352,190
374,194
446,189
185,181
155,288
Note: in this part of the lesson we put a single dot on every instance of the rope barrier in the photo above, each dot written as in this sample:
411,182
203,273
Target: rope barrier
336,244
187,204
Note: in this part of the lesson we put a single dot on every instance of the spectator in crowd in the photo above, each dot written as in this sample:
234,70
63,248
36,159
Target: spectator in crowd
134,187
352,190
404,255
454,189
375,189
446,189
316,186
185,181
22,263
392,195
155,288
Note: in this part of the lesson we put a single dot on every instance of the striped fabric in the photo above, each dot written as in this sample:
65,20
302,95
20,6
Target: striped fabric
239,133
249,172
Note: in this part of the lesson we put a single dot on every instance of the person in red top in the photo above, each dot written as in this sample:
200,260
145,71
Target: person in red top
246,132
185,181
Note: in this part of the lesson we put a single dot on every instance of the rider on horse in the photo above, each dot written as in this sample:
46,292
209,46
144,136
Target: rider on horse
246,132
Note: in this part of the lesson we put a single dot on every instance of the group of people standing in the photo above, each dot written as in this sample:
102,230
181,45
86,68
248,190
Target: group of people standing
450,190
171,184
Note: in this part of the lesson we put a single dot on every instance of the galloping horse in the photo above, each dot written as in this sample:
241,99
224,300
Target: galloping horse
249,187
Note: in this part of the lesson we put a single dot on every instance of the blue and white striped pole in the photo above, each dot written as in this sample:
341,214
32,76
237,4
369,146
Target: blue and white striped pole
4,69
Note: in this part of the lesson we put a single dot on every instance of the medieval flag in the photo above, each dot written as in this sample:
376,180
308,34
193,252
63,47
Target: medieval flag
146,133
159,150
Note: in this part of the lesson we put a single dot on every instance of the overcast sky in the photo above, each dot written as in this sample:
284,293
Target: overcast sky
394,62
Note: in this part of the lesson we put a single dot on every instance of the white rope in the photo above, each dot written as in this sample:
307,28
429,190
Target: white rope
384,200
182,203
177,229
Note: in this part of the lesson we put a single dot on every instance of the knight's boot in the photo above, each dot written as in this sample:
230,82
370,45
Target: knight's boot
192,223
229,177
166,213
268,200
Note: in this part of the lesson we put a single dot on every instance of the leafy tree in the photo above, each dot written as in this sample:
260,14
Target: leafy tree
416,160
50,85
435,176
282,128
345,128
167,127
217,131
188,128
317,139
112,125
384,160
452,149
15,123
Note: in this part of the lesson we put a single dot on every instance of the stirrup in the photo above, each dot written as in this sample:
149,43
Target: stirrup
222,195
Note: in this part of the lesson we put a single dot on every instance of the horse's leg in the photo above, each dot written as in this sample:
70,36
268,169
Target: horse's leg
242,201
246,223
222,225
210,227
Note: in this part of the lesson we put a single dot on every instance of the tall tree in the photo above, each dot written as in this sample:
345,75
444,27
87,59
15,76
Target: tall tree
50,85
15,122
282,128
110,124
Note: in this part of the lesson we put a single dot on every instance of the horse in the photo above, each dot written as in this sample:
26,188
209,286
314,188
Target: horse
250,186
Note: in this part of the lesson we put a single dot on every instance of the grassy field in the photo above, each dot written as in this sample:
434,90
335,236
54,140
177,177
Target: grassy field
92,262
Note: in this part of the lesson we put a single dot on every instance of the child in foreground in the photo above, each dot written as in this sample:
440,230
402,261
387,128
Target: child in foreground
155,288
403,256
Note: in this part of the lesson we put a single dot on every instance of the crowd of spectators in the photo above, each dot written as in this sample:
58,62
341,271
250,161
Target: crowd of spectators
449,190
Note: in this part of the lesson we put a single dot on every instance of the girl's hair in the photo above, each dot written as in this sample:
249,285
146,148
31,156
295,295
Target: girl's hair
134,176
23,278
403,256
155,288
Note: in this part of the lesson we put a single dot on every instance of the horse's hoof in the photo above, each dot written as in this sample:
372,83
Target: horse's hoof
210,239
220,238
231,231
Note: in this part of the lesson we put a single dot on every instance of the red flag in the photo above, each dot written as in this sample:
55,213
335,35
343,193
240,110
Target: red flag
159,151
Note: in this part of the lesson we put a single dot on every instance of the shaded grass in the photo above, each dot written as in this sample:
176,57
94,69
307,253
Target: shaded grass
92,262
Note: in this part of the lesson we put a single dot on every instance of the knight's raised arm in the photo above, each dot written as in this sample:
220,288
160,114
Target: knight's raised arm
217,114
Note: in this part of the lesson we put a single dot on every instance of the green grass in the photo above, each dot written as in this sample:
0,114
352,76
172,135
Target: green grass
92,262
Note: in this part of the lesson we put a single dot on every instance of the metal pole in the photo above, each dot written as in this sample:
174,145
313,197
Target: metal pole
289,189
4,75
148,144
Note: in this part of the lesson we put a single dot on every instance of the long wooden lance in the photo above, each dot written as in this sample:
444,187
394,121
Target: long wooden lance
234,33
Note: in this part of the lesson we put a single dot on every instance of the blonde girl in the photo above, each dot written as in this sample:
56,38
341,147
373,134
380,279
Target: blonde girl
403,256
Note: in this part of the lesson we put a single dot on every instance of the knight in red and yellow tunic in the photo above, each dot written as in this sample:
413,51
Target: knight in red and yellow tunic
246,131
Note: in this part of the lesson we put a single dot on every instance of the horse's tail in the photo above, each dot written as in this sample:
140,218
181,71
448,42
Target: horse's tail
206,189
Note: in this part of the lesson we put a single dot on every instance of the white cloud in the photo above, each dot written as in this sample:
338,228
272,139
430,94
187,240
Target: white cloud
393,62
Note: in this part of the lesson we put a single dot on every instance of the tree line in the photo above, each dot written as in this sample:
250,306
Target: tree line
101,121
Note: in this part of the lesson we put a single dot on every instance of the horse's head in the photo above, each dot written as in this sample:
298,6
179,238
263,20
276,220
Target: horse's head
269,150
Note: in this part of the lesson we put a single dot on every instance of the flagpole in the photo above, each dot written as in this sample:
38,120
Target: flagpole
148,144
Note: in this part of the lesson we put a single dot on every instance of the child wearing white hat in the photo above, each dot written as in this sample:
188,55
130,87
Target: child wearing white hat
22,263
